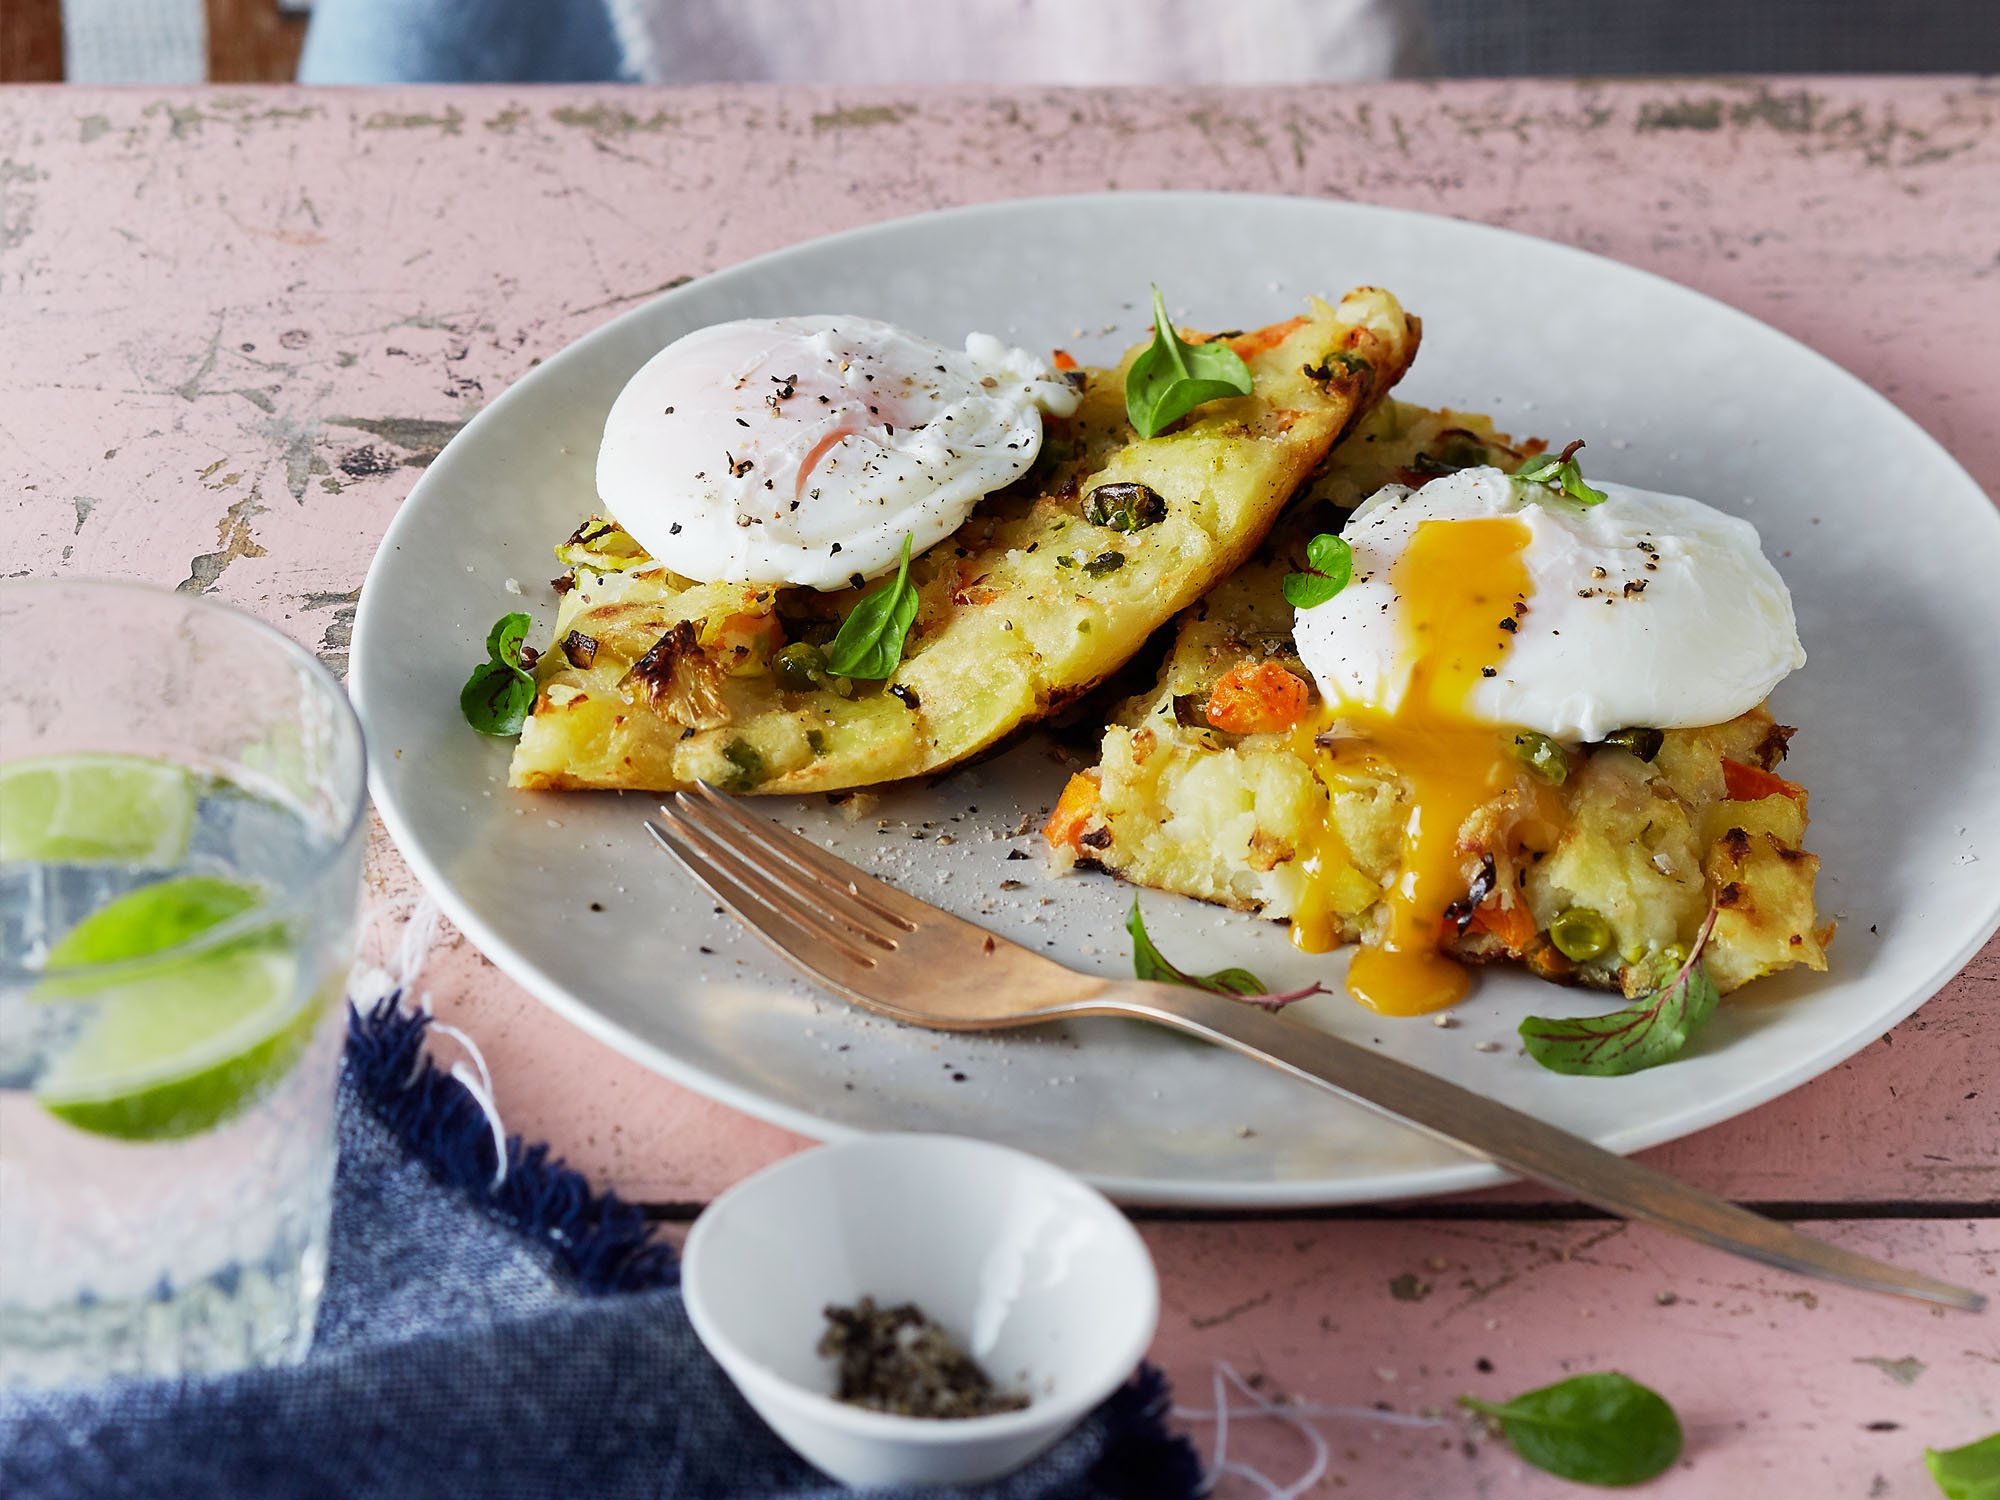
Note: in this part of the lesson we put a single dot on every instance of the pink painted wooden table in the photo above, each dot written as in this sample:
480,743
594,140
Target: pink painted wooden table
236,325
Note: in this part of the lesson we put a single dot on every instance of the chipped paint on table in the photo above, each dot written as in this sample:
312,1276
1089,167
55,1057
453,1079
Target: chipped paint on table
1826,1393
237,324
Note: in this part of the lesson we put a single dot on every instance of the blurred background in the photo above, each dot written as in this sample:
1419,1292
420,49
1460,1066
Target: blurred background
363,41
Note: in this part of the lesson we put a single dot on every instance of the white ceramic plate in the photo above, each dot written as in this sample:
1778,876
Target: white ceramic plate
1891,550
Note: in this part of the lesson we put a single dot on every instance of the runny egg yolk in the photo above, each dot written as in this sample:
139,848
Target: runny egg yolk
1462,583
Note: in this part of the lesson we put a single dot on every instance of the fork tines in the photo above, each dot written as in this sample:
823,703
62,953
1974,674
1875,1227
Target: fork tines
791,891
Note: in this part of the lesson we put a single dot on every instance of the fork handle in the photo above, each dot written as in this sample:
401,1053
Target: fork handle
1516,1141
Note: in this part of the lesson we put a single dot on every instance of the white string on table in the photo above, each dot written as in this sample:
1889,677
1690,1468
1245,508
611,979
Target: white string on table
369,986
1295,1415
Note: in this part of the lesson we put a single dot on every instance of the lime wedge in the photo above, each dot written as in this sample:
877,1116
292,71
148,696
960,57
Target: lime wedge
152,919
76,809
173,1049
175,1054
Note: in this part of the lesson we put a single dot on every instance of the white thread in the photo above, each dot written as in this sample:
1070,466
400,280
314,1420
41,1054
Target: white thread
372,921
1312,1409
1244,1471
1294,1415
370,986
635,40
483,1097
481,1089
419,933
367,985
471,1047
1271,1408
1219,1459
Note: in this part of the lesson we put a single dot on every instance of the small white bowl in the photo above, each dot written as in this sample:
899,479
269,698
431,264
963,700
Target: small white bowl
1032,1273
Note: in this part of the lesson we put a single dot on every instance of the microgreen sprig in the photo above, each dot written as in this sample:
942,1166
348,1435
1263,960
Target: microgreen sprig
1329,566
1172,377
1240,984
1652,1030
498,696
1561,473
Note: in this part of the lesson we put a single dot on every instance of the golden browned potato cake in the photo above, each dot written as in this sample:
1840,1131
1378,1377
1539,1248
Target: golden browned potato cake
656,681
1180,804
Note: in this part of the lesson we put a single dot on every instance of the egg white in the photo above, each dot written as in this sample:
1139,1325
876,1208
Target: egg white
1647,610
804,450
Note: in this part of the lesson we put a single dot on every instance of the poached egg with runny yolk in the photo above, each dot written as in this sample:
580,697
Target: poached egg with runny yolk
1481,606
804,450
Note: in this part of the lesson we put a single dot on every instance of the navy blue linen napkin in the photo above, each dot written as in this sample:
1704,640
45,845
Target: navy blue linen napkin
520,1341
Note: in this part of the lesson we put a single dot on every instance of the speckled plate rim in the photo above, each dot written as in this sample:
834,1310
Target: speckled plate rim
371,653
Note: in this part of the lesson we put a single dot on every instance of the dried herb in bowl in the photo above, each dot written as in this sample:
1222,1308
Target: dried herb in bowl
898,1360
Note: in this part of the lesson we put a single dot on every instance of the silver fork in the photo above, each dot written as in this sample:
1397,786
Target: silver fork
905,959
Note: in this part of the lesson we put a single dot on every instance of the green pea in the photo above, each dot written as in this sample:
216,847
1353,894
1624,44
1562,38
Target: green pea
1580,934
746,766
1541,755
799,667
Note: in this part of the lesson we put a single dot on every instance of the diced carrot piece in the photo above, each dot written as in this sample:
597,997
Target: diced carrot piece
1064,360
1751,783
1546,960
1511,924
1074,810
1258,340
1257,697
750,633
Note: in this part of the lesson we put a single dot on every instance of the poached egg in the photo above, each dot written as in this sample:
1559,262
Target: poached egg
1481,606
804,450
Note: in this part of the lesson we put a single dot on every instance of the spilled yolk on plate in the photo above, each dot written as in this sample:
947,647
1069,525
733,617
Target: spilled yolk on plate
1459,581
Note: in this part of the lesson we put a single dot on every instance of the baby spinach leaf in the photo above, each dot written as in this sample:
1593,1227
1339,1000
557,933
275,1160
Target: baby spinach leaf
1172,377
1650,1031
1561,472
1329,566
1601,1428
1968,1473
500,693
869,643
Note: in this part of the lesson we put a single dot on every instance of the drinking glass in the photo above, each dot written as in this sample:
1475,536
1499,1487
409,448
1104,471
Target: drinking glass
181,798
